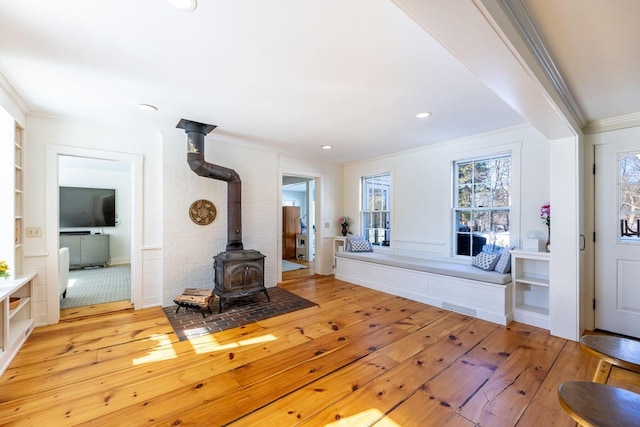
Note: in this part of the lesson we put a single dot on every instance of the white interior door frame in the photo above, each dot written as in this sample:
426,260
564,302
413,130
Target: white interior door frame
318,209
617,260
135,162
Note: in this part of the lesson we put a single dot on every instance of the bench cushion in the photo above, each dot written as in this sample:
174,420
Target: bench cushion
464,271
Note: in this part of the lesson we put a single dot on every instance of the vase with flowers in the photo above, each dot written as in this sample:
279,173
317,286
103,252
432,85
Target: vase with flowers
545,214
344,223
4,269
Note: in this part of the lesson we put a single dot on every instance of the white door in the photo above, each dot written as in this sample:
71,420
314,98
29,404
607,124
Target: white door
617,247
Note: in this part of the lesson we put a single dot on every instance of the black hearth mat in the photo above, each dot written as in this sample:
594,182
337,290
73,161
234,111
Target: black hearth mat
236,312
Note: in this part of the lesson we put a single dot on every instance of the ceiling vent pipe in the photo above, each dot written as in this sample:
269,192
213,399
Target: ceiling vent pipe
195,158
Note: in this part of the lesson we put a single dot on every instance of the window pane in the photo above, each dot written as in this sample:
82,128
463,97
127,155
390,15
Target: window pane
629,196
482,171
465,173
464,196
482,196
500,228
502,195
481,222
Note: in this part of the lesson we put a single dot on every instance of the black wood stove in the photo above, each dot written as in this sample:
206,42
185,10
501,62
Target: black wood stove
238,271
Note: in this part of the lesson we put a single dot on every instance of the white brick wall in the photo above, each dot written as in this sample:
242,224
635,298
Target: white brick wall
188,249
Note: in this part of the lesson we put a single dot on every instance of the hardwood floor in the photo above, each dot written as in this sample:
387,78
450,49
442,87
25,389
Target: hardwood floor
360,357
297,274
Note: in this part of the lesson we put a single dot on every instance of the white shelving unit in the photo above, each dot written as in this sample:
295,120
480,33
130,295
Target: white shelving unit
339,244
530,276
16,323
301,246
18,185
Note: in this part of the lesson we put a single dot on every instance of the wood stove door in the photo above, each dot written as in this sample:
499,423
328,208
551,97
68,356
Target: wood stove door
245,276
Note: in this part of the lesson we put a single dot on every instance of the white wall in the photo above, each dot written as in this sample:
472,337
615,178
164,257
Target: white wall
295,198
43,132
564,266
422,189
329,196
189,248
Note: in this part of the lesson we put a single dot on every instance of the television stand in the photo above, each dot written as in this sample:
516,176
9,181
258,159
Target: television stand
75,233
86,250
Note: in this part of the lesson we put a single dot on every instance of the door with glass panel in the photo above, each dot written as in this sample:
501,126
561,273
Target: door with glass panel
617,246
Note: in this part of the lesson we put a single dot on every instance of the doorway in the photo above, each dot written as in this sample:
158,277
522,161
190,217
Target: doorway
135,164
617,247
99,245
298,226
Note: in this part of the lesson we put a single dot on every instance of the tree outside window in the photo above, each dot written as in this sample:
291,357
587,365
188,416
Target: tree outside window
482,203
375,208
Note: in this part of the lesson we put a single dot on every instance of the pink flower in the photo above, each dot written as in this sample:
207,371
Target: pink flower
344,221
545,214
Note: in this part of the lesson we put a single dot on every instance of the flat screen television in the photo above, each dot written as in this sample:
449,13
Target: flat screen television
87,207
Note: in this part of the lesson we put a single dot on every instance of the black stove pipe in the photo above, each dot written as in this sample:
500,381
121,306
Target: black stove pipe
195,158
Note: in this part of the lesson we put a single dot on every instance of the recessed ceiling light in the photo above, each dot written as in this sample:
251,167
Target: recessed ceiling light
423,115
183,5
327,147
148,107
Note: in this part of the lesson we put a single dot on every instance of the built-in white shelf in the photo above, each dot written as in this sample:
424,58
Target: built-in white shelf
530,276
16,323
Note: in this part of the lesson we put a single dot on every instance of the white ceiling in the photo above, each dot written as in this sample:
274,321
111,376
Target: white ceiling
596,46
288,74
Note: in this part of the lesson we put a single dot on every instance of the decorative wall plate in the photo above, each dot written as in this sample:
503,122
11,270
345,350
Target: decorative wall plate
202,212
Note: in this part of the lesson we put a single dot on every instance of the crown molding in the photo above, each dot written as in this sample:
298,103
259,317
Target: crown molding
613,123
517,12
13,94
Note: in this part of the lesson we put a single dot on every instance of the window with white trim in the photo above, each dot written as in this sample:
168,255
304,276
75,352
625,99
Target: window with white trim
375,208
481,203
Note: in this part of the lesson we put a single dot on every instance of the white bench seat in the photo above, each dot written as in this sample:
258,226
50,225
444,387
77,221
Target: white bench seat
463,271
458,287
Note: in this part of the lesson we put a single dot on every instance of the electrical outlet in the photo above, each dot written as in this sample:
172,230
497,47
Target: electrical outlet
326,225
34,231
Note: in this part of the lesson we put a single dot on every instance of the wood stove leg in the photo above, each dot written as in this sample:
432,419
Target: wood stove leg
220,309
177,309
267,294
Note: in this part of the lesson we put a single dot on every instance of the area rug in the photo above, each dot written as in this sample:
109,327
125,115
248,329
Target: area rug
189,323
291,266
97,286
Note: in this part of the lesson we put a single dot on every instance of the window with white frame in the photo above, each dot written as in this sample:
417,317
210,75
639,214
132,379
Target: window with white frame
375,208
481,203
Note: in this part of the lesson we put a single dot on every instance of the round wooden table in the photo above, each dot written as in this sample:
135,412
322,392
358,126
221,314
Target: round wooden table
612,350
594,404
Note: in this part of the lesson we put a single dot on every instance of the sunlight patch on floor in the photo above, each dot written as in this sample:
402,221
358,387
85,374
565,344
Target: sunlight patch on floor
163,351
364,418
208,344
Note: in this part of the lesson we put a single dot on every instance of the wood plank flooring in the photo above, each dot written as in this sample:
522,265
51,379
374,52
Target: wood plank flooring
359,358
